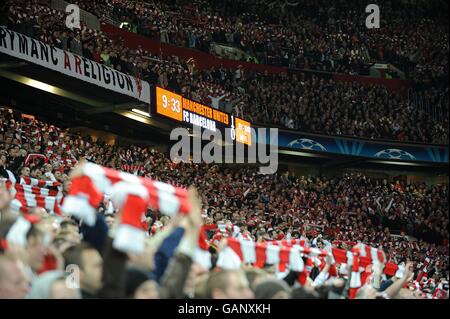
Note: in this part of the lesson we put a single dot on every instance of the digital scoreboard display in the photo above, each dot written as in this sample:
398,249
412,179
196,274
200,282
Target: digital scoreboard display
181,109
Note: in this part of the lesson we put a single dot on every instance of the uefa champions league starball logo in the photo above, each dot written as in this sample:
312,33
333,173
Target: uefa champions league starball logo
393,153
307,144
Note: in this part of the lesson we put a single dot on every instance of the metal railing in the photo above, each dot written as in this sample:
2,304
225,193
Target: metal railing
437,111
109,19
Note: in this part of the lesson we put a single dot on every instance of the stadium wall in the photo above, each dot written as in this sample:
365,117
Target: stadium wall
398,85
204,60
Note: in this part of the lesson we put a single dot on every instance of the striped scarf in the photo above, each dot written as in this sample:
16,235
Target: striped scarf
37,182
31,193
361,256
423,269
129,193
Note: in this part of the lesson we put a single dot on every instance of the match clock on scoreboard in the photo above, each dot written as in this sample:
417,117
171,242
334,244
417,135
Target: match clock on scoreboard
181,109
169,104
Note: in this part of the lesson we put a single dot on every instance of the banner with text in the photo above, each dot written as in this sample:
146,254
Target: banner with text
31,50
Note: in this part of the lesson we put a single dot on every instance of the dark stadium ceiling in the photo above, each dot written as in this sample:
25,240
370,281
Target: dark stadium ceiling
90,98
70,101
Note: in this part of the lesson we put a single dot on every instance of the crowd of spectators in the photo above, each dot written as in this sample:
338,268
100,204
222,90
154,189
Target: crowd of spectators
299,34
318,105
49,25
301,102
408,221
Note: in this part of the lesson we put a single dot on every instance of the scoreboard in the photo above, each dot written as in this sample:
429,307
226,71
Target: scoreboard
176,107
243,131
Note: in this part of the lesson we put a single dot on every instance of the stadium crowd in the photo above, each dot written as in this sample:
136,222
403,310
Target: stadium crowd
299,101
299,34
229,202
408,221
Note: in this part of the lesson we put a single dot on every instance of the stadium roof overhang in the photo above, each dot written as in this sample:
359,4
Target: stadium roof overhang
49,93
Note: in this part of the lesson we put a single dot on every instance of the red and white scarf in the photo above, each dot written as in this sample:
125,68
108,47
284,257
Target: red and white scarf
129,193
37,182
239,251
260,254
27,196
24,201
423,269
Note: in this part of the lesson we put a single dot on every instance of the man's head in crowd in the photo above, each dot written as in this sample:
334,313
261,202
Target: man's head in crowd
139,285
36,248
90,263
12,152
110,219
47,224
68,238
36,172
272,289
13,283
69,225
196,274
66,186
228,284
255,276
3,159
23,152
58,175
46,168
25,171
